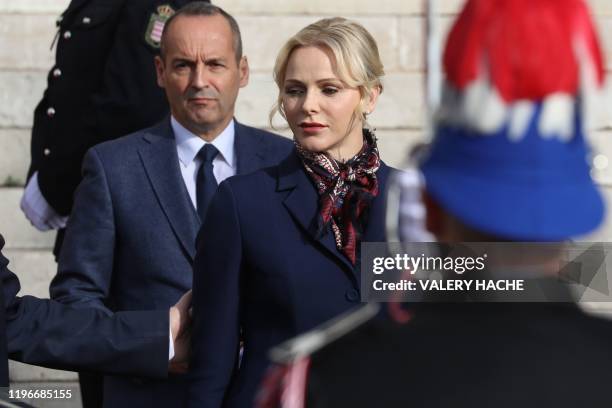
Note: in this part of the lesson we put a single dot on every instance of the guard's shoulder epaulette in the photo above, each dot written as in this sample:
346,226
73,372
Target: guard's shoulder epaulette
317,338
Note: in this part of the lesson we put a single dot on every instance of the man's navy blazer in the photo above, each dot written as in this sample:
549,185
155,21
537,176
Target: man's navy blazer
47,333
130,241
262,270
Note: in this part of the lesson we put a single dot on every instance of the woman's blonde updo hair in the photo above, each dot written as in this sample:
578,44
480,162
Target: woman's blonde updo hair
355,53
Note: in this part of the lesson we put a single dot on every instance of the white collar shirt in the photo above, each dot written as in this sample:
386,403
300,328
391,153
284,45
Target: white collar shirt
188,145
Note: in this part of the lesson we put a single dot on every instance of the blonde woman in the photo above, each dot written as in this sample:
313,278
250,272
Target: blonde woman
279,251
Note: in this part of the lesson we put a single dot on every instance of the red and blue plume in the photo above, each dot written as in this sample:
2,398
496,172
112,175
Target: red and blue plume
504,57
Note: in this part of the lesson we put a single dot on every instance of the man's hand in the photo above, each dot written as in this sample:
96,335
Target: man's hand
180,327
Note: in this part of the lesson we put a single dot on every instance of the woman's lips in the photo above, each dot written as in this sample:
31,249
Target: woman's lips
312,127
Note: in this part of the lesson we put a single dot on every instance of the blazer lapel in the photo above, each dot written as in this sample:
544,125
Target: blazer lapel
302,202
249,149
160,160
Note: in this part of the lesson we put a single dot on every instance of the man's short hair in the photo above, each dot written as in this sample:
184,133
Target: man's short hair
203,8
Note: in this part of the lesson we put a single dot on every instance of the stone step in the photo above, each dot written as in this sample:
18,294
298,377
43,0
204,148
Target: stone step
20,372
16,229
35,269
15,146
27,41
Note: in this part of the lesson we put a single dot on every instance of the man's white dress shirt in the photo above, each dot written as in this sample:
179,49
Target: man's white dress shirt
188,145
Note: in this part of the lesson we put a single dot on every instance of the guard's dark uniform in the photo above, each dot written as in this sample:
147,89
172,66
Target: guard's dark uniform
449,355
103,86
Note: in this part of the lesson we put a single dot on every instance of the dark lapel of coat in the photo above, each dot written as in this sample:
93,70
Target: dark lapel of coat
250,149
160,160
302,202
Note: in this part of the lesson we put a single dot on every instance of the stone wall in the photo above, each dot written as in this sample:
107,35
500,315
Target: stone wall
27,28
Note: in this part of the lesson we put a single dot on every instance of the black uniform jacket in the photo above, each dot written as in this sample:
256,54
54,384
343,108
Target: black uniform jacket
469,355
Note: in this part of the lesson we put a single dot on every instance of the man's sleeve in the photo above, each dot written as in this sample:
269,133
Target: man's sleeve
85,265
47,333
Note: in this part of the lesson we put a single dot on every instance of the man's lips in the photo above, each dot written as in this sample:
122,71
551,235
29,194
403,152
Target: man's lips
201,100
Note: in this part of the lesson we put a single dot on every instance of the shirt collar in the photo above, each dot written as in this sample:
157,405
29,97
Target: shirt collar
189,144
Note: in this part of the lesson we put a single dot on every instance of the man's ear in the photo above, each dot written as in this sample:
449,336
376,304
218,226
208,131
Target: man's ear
243,67
159,69
435,217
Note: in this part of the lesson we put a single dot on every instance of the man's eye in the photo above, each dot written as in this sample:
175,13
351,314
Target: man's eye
180,65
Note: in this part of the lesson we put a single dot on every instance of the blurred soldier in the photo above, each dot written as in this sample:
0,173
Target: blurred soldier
508,162
101,87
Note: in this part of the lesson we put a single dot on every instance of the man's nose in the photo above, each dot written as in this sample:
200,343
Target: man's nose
199,77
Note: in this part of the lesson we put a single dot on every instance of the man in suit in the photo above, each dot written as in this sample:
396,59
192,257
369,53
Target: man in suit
47,333
520,148
130,242
101,87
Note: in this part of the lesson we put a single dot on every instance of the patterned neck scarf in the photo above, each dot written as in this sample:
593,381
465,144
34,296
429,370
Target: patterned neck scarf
346,191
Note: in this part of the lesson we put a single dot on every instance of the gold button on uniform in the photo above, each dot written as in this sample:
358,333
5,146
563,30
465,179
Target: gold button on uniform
67,35
51,112
57,72
46,152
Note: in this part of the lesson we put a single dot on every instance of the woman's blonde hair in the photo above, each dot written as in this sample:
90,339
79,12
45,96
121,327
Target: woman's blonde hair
355,53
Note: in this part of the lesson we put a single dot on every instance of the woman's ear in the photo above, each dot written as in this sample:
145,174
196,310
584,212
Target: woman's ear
371,99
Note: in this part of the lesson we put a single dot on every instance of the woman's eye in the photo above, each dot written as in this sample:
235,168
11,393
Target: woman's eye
328,90
294,91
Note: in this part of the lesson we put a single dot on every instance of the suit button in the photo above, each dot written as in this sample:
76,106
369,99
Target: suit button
352,295
57,73
51,112
46,152
86,20
67,35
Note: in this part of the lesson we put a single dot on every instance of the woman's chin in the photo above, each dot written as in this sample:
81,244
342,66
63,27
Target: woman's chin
312,145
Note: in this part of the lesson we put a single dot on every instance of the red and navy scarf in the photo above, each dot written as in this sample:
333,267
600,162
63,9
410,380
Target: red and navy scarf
346,191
